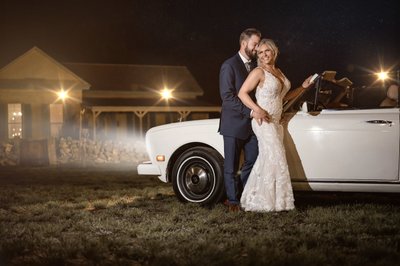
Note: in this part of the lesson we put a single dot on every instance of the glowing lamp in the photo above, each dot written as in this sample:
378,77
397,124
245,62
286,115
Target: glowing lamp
382,75
62,95
166,94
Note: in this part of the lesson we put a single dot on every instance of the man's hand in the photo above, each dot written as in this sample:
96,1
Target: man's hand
260,116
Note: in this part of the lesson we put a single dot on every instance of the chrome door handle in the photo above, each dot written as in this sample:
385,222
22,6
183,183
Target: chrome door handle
380,122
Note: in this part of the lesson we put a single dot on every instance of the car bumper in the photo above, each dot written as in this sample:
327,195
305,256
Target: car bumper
147,168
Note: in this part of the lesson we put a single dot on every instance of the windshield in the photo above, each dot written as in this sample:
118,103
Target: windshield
331,95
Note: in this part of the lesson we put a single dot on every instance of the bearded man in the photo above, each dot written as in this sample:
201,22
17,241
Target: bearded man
235,121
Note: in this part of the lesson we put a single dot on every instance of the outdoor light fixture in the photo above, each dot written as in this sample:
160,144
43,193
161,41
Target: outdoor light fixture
383,75
62,95
390,74
166,94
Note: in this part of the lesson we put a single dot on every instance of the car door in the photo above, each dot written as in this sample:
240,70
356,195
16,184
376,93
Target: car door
344,145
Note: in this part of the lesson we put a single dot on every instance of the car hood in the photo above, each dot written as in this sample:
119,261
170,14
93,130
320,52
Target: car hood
185,124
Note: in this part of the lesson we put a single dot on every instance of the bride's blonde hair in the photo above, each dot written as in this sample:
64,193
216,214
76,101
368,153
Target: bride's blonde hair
271,44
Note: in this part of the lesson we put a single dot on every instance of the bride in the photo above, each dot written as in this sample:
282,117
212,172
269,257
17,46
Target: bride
268,187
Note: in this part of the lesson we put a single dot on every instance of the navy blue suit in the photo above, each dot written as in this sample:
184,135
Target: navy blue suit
235,126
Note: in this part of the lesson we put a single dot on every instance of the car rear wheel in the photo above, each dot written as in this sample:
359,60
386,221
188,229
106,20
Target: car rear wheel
197,176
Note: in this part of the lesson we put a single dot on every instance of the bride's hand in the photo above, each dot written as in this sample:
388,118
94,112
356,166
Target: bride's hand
307,82
261,115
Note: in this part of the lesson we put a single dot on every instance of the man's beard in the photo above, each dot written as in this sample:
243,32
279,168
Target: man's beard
249,53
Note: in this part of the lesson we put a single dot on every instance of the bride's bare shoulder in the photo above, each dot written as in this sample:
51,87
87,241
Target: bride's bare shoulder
258,71
257,75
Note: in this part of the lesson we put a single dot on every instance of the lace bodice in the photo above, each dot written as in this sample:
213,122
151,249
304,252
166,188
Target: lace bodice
269,95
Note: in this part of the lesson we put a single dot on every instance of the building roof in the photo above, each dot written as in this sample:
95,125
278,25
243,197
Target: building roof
122,81
37,70
103,84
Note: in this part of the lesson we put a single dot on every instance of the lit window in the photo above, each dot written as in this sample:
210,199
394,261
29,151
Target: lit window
14,120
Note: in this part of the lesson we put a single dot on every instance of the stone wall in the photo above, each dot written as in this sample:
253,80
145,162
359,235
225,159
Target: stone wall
86,151
107,151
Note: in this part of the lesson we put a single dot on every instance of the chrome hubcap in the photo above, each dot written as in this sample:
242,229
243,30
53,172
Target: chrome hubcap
196,179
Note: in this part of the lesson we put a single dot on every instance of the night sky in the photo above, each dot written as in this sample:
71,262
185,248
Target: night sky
351,37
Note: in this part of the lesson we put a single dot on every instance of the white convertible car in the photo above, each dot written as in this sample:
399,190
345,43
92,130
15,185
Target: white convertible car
334,142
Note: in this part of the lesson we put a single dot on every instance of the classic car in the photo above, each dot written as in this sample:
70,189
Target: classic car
334,141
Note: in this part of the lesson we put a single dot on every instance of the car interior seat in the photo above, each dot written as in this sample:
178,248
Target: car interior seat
392,96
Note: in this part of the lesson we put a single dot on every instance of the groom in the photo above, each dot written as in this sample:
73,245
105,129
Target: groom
235,122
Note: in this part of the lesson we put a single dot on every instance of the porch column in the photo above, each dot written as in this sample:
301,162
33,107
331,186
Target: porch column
184,115
95,115
140,114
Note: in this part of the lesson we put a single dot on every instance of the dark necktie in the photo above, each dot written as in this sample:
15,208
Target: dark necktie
248,66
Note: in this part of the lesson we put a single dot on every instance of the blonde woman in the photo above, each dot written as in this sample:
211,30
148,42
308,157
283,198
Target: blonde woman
268,187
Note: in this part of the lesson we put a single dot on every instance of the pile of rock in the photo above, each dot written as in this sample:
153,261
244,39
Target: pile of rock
68,150
9,153
100,151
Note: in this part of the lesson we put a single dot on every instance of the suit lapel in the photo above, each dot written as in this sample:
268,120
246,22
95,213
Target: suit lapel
241,66
253,64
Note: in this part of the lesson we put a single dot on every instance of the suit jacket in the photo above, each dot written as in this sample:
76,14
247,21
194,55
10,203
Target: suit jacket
235,118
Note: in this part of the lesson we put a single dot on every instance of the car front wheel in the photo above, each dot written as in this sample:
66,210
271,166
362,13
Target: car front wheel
197,176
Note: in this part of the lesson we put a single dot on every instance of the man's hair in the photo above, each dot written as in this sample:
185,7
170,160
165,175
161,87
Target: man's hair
247,33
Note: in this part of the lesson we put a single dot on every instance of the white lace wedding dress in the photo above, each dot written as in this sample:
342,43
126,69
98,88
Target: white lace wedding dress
268,187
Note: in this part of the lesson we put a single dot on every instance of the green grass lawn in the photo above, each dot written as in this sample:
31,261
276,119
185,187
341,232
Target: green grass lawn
111,216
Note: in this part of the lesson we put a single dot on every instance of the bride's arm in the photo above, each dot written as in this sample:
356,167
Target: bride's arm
253,79
249,85
294,93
